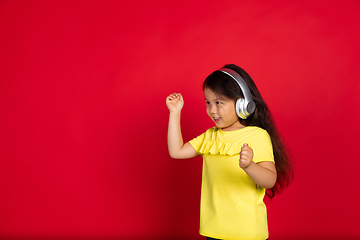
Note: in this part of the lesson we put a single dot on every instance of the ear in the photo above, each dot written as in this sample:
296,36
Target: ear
240,108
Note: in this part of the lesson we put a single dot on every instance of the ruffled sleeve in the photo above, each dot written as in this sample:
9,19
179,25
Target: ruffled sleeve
209,143
220,148
217,142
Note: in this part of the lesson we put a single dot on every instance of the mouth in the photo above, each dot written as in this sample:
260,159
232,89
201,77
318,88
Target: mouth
216,120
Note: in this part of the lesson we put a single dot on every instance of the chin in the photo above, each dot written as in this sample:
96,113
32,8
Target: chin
219,126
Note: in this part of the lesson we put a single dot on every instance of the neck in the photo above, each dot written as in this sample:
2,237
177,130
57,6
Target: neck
233,127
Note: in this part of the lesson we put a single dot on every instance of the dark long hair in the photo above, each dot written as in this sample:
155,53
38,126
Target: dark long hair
224,85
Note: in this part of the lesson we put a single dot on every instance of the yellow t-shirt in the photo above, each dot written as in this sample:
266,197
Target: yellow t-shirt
232,204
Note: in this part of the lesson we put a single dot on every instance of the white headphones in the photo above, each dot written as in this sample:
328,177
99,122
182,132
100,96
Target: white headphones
244,106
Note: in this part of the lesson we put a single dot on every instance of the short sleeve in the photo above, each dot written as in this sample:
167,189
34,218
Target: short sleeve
197,142
262,147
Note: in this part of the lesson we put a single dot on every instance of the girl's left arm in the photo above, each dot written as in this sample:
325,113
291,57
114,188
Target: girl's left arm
262,173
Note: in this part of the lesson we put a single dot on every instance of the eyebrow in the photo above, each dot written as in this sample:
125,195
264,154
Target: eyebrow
223,99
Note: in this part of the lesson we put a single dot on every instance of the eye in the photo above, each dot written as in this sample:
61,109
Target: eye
207,103
218,103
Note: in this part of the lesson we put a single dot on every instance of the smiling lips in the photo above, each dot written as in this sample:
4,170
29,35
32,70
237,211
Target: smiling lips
216,119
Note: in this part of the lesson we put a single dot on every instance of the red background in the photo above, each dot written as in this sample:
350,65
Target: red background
83,119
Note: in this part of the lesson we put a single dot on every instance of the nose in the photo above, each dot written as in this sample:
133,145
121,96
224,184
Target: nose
213,109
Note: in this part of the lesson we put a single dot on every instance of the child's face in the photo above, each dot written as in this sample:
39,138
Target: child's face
222,111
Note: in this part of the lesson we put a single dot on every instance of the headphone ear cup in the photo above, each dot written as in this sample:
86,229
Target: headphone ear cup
240,108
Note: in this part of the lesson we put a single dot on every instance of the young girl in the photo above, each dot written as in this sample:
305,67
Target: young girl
242,156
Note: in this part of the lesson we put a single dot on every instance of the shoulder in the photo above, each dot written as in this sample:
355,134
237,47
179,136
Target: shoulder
259,137
256,132
255,129
212,131
208,133
251,135
261,144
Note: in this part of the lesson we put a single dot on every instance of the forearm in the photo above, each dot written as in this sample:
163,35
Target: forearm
262,176
174,140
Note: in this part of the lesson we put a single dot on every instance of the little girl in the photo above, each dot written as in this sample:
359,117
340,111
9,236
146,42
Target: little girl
242,156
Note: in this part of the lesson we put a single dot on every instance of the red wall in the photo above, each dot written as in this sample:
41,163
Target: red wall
83,119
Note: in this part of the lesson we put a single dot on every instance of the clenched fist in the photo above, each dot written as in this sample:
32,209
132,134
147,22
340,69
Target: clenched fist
175,102
246,156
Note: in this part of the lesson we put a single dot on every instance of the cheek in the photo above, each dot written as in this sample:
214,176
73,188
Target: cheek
230,111
208,110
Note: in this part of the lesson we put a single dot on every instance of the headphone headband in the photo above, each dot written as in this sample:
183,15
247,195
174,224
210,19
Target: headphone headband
244,107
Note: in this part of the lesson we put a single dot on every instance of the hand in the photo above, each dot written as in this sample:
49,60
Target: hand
175,102
246,156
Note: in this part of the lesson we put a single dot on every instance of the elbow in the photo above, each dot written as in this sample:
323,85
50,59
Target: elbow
267,185
174,155
271,180
270,184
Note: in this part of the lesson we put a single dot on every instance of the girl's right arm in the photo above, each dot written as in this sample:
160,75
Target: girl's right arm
176,146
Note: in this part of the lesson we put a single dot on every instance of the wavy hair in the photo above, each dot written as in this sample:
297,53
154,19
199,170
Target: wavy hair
224,85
